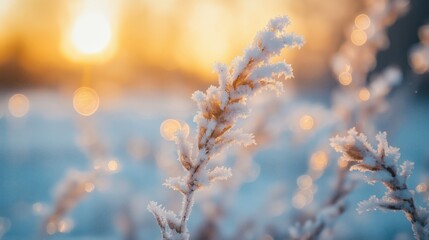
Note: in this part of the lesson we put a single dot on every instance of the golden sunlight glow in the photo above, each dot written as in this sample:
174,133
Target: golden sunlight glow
364,94
113,165
19,105
345,78
362,21
91,33
319,161
306,122
170,127
358,37
86,101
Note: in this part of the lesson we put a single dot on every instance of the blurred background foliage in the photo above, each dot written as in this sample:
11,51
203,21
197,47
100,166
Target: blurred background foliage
132,64
165,43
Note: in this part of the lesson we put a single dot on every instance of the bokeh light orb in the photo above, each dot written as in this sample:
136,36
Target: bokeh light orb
304,181
91,33
19,105
306,122
418,61
364,94
362,21
86,101
299,200
358,37
170,127
345,78
89,187
422,187
113,165
319,161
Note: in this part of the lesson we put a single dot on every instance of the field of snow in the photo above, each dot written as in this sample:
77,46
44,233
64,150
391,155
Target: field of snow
38,150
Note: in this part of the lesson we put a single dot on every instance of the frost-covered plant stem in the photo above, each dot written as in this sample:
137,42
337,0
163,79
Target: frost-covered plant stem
381,165
219,109
356,61
76,185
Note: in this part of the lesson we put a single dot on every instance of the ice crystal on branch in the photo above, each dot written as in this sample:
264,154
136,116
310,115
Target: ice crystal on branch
357,103
381,164
218,110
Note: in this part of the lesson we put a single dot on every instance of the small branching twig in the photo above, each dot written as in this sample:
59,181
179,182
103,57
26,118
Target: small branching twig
357,103
219,109
78,184
381,165
69,192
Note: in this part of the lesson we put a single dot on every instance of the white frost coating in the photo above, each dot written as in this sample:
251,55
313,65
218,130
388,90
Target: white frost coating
219,108
350,106
167,220
184,149
357,103
271,70
222,71
372,204
177,184
219,173
381,165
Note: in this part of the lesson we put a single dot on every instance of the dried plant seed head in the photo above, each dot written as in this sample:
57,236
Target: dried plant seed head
353,152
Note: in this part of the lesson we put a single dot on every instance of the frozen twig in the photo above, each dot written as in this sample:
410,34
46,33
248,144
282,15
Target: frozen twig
219,109
77,184
242,163
357,56
381,165
358,107
68,193
357,103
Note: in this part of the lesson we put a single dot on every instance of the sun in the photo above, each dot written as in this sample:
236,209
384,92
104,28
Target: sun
91,33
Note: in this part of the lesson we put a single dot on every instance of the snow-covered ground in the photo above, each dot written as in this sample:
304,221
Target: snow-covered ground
38,150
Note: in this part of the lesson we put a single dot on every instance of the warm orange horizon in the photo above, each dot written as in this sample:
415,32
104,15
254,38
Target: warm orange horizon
44,36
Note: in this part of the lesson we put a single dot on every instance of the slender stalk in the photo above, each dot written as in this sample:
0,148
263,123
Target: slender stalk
219,109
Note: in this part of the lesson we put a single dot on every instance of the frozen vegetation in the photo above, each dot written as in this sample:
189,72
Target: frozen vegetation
259,161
